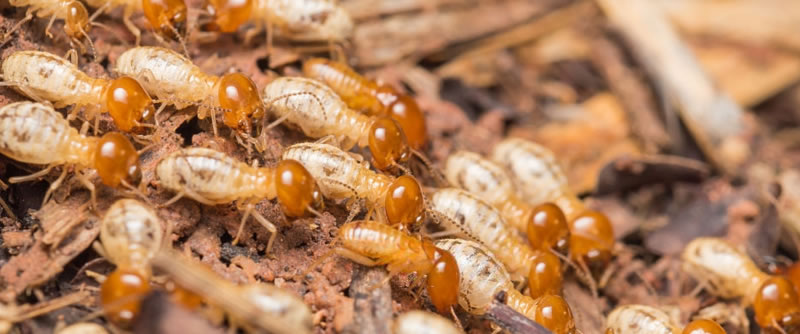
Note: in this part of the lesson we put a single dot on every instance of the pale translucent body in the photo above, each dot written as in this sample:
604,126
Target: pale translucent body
477,220
83,328
726,271
214,176
131,233
421,322
45,76
639,319
305,20
130,5
45,8
316,110
35,133
337,173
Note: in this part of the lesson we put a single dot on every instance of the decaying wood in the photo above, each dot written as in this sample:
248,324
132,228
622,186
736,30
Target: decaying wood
627,173
713,119
372,302
365,9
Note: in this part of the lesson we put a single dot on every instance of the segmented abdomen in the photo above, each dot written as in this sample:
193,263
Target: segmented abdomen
131,233
481,222
479,176
166,74
639,319
337,172
482,275
41,75
306,20
315,109
207,173
34,133
378,241
534,167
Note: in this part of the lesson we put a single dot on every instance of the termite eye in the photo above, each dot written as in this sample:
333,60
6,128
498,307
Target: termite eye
548,228
404,201
776,303
591,239
406,112
77,20
297,189
128,103
545,275
239,95
387,143
116,159
443,280
165,13
553,313
703,326
229,14
182,297
121,295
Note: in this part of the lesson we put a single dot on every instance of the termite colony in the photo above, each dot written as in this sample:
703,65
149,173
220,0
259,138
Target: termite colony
501,230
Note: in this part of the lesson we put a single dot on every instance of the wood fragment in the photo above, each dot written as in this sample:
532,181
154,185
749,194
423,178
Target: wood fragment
372,302
627,173
366,9
712,118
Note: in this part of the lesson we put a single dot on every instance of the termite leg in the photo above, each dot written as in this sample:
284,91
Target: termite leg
250,211
250,34
31,177
49,26
269,31
72,56
126,19
28,17
89,186
357,258
55,185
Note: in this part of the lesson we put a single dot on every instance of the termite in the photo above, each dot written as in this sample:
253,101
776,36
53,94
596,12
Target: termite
729,273
371,243
540,179
366,95
546,225
43,76
211,177
314,108
303,21
82,328
131,234
340,176
176,80
167,17
483,276
35,133
258,307
641,319
76,18
421,322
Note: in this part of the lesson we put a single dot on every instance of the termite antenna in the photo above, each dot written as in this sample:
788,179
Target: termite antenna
112,31
180,40
437,174
91,44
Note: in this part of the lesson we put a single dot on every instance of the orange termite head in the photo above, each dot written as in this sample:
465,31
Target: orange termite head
406,112
793,274
776,304
297,190
387,143
77,20
547,228
591,239
239,95
121,295
443,278
178,295
116,160
166,16
545,275
127,102
229,14
553,312
404,202
703,326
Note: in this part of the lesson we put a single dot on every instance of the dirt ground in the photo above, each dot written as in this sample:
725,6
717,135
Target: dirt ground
571,75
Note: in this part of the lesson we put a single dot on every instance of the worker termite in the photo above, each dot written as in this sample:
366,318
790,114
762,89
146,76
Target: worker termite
366,95
421,322
545,224
468,216
314,108
541,180
82,328
482,277
371,243
729,273
35,133
176,80
258,307
43,76
167,17
131,234
211,177
340,176
76,18
641,319
303,21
